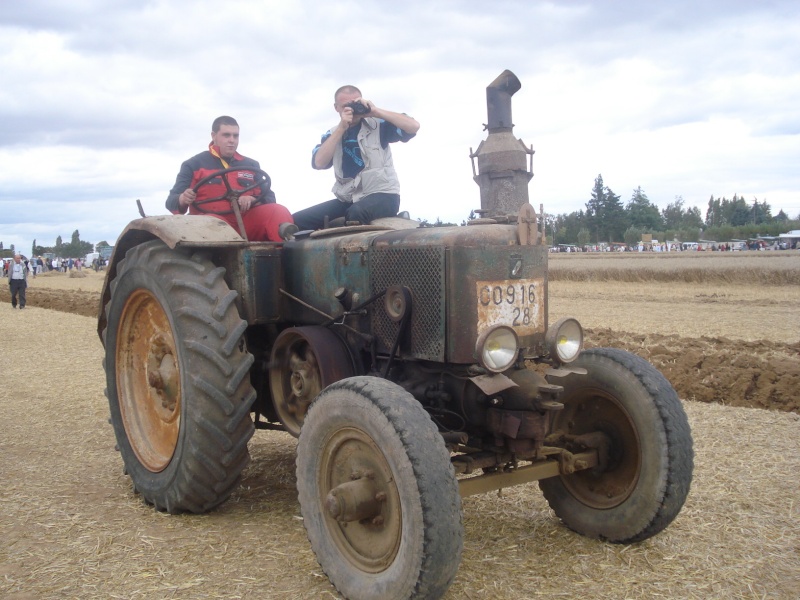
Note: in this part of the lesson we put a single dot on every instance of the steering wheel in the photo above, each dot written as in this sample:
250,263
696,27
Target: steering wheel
260,177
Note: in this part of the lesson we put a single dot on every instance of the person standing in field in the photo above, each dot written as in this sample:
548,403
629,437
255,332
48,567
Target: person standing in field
17,281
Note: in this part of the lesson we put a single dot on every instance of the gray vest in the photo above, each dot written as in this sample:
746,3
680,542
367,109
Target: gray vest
378,174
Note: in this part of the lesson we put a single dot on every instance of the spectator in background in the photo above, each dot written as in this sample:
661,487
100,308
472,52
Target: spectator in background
17,281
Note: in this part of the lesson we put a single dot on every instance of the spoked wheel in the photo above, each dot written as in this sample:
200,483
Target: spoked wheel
305,360
646,467
177,376
378,494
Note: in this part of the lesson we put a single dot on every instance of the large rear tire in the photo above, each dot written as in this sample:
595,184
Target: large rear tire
379,497
177,376
650,459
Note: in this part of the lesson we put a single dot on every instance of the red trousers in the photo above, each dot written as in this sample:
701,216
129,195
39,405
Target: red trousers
260,222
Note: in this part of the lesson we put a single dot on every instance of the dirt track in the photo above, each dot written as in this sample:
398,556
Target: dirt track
71,526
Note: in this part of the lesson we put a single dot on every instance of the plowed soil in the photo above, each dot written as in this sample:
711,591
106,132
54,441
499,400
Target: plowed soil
735,344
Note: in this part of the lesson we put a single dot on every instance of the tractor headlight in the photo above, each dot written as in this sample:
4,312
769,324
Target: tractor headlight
565,340
497,348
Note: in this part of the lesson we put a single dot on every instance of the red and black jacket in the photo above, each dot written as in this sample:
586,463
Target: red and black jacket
204,164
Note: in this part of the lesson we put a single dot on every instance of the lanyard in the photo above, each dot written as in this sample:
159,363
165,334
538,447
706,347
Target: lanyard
214,152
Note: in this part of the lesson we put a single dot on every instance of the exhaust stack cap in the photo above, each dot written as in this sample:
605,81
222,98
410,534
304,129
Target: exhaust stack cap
504,163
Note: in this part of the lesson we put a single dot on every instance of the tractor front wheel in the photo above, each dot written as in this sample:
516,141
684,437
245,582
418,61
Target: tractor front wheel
379,497
647,455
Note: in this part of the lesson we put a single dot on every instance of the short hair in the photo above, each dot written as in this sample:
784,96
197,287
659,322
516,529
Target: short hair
346,89
223,120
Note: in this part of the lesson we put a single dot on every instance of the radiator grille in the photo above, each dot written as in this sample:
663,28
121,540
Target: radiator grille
422,271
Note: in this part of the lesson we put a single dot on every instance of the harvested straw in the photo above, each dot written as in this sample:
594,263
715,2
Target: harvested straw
72,527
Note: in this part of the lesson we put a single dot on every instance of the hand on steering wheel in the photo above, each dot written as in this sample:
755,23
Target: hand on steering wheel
231,195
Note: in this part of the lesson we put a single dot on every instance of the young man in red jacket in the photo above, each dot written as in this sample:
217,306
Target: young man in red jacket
263,218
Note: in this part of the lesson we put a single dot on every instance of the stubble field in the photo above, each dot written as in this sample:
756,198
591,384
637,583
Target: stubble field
725,329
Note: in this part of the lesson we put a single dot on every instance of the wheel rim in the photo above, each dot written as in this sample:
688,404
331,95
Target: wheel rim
148,380
370,543
306,360
597,411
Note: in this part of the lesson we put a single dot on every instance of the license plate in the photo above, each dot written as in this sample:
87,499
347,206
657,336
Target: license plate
518,304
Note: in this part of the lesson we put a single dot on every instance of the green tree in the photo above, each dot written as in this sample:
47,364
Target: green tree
714,212
643,214
673,214
632,236
566,227
692,218
605,213
677,217
76,248
762,213
584,237
737,212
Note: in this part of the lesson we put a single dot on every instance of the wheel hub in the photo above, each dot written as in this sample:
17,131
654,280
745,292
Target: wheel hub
304,382
357,500
304,361
148,380
163,378
360,500
601,423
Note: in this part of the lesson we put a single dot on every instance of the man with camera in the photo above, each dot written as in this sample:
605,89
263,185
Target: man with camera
367,186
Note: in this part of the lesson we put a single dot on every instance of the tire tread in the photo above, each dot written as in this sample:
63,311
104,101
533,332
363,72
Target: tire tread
218,426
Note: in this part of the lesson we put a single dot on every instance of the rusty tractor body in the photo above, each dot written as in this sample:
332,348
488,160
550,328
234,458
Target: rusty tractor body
415,365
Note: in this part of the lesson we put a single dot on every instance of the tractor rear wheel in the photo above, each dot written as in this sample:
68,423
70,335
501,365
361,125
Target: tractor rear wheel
177,375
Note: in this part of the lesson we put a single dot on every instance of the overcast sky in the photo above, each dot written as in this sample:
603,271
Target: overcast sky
101,100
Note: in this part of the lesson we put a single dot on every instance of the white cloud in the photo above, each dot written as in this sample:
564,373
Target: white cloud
101,101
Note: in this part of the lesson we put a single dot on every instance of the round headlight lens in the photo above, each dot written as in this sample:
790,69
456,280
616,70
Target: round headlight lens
565,340
497,348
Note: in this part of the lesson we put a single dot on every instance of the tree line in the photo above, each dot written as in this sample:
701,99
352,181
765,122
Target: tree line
606,219
75,248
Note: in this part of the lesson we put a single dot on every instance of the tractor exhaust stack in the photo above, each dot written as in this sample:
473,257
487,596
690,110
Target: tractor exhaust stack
503,171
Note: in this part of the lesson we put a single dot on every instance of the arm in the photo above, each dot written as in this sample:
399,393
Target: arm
181,195
323,154
264,192
399,120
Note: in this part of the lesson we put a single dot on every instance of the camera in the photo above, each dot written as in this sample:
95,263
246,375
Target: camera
358,108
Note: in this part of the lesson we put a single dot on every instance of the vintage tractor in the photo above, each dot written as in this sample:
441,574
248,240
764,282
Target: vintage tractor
415,365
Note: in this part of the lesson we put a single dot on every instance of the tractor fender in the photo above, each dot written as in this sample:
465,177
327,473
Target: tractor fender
174,230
